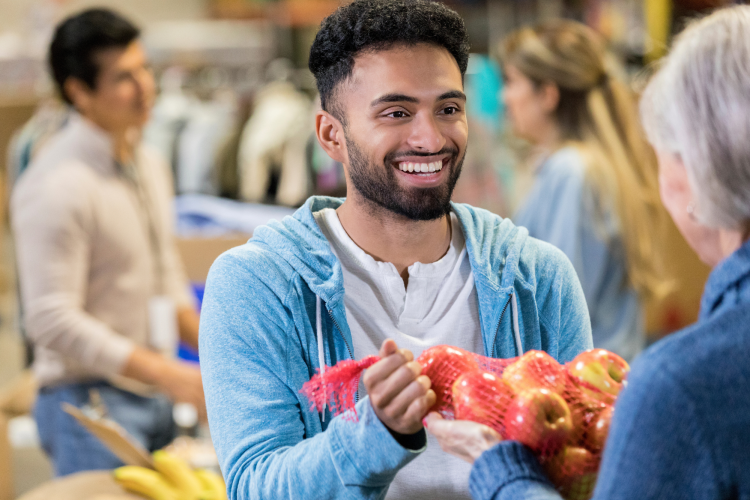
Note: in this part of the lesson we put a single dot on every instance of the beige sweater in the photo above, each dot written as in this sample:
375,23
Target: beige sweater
87,265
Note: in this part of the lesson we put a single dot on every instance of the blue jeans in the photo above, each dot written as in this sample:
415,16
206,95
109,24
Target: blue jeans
73,449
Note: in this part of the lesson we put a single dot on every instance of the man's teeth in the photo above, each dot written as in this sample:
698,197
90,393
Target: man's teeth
435,166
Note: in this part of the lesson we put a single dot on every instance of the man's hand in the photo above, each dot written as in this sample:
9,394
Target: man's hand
399,395
462,438
182,382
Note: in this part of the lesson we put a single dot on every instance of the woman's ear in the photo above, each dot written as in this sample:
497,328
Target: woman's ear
550,95
330,133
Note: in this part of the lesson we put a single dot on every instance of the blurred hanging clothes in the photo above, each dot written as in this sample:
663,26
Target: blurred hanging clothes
210,125
190,133
169,117
562,209
273,146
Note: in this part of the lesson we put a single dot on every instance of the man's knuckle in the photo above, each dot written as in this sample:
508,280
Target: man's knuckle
407,373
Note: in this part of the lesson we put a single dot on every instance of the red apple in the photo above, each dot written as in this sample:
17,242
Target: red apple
584,408
583,419
598,430
573,472
481,397
602,369
540,419
443,364
536,369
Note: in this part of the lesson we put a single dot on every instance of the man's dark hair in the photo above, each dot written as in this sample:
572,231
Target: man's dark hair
372,25
77,40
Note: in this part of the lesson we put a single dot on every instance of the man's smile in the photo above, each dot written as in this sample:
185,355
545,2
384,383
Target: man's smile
435,166
422,165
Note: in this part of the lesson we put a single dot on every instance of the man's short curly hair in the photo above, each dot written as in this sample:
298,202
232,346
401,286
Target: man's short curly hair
372,25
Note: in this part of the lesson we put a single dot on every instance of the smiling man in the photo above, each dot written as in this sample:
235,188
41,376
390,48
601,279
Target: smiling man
393,269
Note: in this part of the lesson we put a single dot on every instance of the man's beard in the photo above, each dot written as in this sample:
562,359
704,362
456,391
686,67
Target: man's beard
379,185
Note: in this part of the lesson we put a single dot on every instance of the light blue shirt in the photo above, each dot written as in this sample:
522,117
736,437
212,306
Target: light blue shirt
562,209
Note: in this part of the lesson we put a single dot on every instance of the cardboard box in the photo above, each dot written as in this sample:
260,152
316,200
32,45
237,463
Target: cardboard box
199,253
16,399
95,485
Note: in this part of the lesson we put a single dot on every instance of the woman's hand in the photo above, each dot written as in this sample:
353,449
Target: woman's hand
462,438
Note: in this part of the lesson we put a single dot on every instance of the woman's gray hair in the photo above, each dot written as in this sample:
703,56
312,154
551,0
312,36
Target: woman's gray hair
698,107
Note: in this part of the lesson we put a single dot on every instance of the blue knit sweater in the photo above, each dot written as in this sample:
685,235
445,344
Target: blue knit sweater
681,427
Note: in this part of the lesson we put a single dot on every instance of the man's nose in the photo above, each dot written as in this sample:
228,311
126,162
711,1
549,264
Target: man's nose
426,134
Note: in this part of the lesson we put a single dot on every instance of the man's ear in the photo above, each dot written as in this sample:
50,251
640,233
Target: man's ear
330,133
79,93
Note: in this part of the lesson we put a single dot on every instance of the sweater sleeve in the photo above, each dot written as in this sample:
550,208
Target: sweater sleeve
509,471
52,225
657,447
258,422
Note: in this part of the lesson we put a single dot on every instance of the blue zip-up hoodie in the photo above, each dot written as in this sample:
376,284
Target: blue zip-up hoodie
261,330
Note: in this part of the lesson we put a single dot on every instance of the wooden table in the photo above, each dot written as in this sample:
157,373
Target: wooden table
96,485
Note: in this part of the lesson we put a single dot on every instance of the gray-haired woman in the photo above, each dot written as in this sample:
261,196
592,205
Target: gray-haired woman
682,426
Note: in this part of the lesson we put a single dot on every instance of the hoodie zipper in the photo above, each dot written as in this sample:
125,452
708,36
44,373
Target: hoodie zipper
356,394
340,332
497,328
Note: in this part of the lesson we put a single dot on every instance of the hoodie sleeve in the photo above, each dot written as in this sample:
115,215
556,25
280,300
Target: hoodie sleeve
257,418
563,313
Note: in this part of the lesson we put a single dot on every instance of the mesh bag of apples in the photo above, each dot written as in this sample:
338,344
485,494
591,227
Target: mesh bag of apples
561,412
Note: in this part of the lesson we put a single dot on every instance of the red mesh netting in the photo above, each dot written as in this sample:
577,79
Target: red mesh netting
561,413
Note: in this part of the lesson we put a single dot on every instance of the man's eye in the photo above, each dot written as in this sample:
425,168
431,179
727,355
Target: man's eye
451,110
397,114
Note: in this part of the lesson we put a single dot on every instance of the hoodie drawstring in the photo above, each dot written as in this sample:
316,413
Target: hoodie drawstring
321,354
516,329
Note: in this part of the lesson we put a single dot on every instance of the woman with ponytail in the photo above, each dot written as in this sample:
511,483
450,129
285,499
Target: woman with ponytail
595,195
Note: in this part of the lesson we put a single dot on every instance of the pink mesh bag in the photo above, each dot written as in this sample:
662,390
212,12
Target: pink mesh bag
562,413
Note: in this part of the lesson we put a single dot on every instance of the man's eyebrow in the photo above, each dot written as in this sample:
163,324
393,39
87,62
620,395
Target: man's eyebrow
453,94
394,98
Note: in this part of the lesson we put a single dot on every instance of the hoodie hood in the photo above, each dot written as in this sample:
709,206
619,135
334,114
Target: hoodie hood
493,244
299,241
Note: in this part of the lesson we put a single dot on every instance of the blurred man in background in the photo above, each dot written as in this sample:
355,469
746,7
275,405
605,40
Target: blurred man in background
103,291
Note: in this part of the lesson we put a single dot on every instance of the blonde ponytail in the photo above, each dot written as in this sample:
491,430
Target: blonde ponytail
626,174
